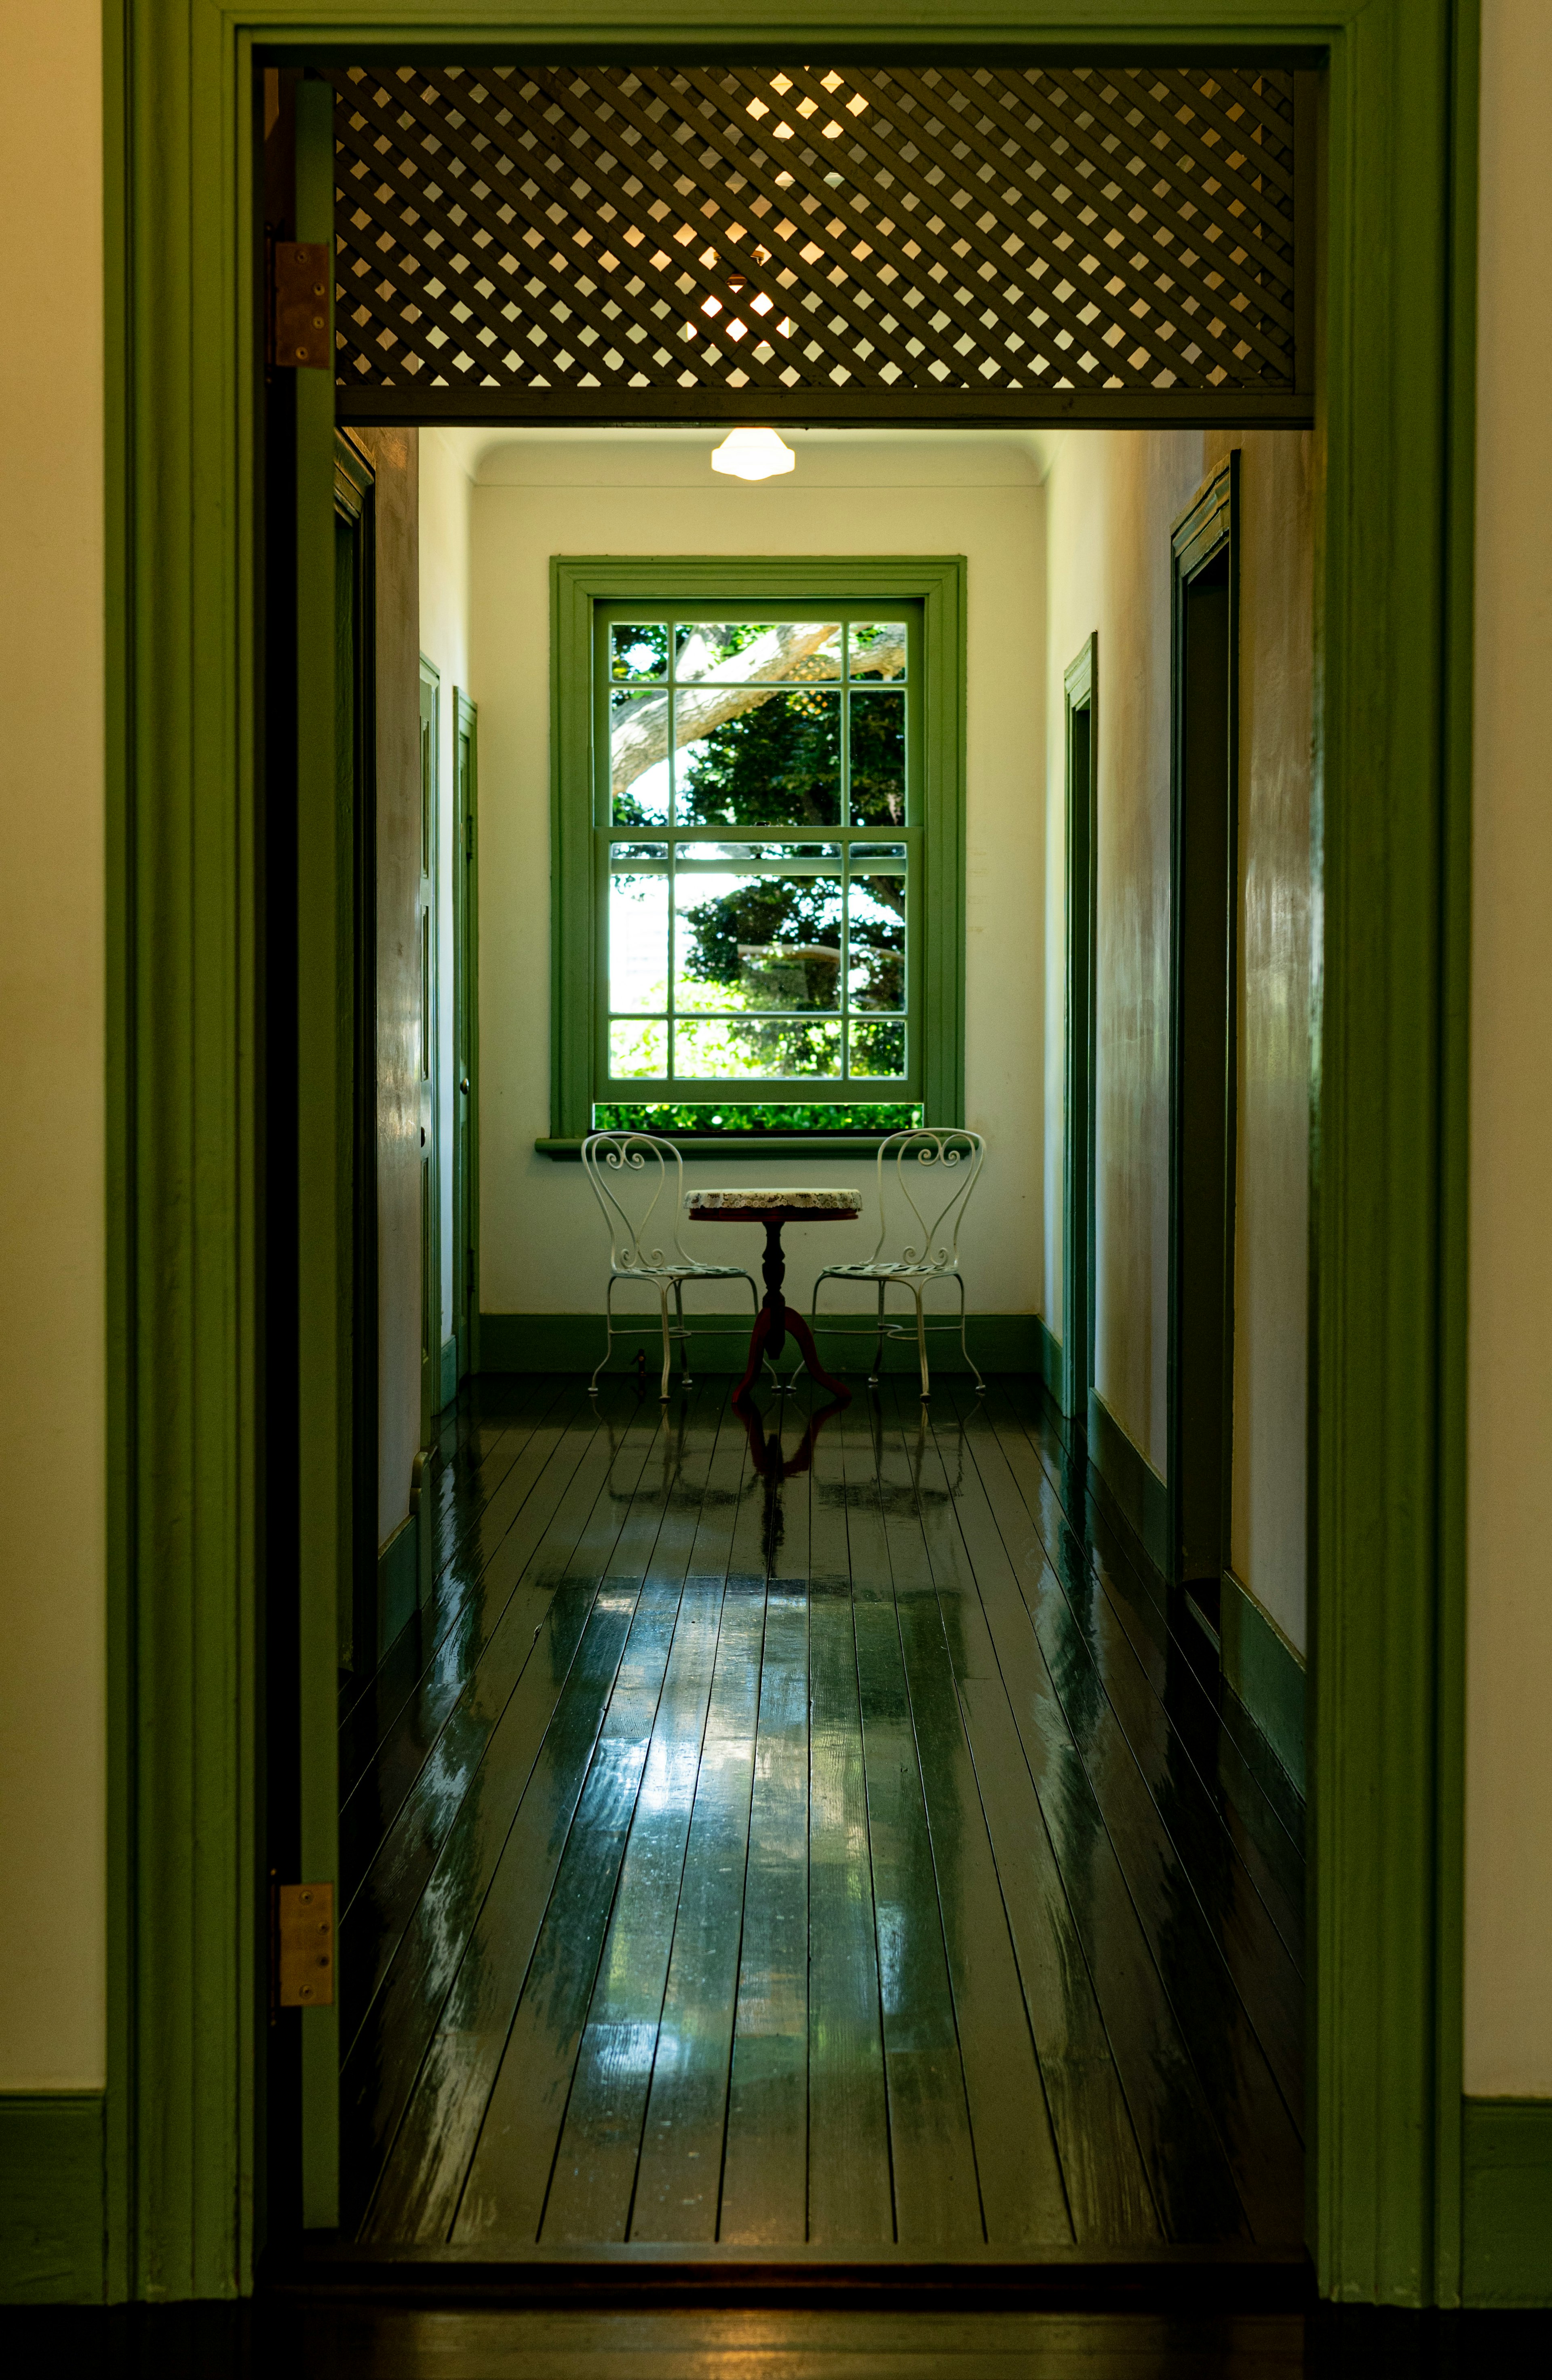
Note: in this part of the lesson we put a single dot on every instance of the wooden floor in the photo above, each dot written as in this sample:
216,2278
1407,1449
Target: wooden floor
352,2339
848,1857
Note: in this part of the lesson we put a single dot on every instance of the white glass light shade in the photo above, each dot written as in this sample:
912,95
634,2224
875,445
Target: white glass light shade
753,454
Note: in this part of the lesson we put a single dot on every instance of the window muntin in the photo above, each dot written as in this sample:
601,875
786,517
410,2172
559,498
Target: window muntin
760,935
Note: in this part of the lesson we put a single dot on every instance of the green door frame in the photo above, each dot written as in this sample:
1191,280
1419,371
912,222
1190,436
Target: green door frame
185,1915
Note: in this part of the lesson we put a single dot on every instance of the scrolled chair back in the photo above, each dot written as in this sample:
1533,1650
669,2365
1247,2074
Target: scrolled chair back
630,1177
925,1178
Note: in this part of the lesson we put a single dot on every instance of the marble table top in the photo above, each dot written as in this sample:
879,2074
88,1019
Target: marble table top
750,1206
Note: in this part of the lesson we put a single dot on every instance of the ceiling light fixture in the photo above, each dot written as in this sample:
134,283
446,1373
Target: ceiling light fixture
753,454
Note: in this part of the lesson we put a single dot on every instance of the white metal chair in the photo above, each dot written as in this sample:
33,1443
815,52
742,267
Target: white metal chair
629,1174
925,1178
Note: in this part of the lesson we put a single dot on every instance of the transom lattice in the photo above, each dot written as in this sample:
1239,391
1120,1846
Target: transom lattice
762,238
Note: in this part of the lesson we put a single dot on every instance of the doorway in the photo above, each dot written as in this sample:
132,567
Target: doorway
1080,689
466,1038
1379,1405
1204,884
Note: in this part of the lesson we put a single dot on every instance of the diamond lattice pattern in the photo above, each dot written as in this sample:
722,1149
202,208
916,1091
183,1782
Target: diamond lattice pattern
620,228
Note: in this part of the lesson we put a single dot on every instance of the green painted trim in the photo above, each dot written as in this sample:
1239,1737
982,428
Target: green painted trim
1388,1006
1267,1673
325,972
53,2211
574,1342
578,584
1453,1155
186,1688
448,1385
1141,1495
1505,2248
398,1580
760,1147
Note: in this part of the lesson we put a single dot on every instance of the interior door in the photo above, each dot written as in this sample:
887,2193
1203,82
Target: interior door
431,1398
1203,1070
1081,694
466,929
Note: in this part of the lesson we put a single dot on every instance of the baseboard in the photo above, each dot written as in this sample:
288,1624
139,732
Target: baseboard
1140,1493
398,1580
574,1342
1264,1671
448,1387
1049,1365
1506,2247
52,2202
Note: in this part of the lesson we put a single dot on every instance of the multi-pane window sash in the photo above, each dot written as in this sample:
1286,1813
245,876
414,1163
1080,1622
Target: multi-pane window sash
757,839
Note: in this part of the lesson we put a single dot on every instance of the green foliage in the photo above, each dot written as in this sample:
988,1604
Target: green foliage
723,1117
778,764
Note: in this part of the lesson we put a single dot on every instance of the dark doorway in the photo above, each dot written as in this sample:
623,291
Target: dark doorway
1204,880
1082,688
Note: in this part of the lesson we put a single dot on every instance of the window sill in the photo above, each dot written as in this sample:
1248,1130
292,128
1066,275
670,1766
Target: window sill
743,1146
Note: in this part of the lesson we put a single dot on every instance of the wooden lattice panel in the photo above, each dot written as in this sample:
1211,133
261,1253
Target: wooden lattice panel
765,239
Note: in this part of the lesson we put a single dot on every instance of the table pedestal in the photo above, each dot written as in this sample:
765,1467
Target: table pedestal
775,1318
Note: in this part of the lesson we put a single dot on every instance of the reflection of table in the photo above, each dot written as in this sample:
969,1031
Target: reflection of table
774,1208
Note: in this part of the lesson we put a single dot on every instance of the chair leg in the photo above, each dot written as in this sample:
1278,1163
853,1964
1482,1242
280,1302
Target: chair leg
608,1336
921,1343
876,1373
685,1381
964,1346
663,1300
820,1279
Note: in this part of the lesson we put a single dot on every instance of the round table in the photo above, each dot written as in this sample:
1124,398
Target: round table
775,1318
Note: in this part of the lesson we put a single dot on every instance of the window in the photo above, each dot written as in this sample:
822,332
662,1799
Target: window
758,828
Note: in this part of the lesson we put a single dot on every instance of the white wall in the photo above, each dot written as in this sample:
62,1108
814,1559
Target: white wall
51,1313
51,1310
445,497
542,1245
1112,499
1509,1650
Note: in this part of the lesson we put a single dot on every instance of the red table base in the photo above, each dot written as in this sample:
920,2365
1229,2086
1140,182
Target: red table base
776,1318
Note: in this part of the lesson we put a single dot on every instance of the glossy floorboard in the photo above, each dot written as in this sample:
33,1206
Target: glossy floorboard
816,1837
367,2342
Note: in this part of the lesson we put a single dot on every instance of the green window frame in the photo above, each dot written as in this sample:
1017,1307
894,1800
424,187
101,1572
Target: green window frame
592,594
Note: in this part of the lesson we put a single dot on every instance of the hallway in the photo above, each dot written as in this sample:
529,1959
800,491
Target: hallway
849,1857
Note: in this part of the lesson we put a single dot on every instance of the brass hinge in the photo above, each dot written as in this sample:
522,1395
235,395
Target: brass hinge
299,304
304,1944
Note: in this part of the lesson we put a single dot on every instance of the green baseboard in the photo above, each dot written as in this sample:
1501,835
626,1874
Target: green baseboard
1049,1365
1505,2246
1262,1668
52,2202
448,1387
398,1580
573,1343
1133,1481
